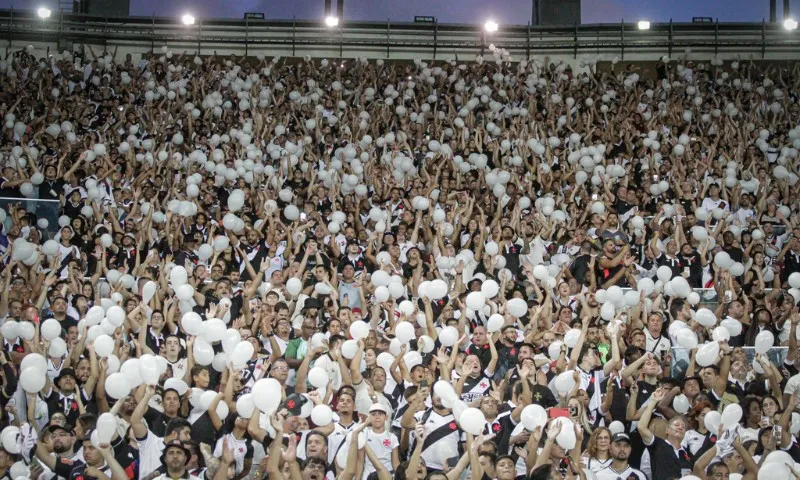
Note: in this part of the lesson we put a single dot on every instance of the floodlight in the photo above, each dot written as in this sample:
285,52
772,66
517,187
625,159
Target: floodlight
44,12
188,19
790,24
331,21
644,24
490,26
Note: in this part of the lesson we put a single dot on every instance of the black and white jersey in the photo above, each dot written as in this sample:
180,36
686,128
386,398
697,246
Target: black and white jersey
442,431
476,388
629,473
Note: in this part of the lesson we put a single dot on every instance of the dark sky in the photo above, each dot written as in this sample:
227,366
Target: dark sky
455,11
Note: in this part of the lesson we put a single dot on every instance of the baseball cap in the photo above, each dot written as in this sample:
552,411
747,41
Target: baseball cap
53,427
377,407
621,437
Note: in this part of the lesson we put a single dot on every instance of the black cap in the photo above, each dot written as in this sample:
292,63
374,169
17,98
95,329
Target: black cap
53,427
312,303
621,437
175,444
66,372
694,377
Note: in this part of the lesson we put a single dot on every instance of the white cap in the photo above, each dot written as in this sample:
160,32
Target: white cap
377,407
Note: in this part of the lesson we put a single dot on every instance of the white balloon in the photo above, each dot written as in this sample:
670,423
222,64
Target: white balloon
106,427
148,291
571,337
707,354
533,416
321,415
349,349
267,394
10,438
495,323
731,416
178,276
681,404
318,377
448,336
706,317
34,360
664,273
192,323
713,420
405,332
242,353
58,348
720,334
294,286
104,345
607,311
764,341
565,382
566,437
733,326
117,386
32,379
359,329
116,315
50,329
472,421
687,338
616,427
132,372
475,301
490,289
517,307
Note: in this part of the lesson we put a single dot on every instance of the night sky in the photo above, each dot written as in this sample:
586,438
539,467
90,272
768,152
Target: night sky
456,11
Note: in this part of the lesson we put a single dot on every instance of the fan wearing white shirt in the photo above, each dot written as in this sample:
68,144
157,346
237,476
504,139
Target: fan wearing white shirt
383,443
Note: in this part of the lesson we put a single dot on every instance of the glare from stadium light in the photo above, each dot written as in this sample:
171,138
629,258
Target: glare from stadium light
188,19
490,26
643,24
44,12
331,21
790,24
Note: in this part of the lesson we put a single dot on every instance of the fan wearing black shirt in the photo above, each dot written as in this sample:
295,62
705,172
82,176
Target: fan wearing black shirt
580,266
157,421
668,457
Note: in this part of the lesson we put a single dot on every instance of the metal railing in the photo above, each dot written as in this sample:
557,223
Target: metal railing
401,40
681,357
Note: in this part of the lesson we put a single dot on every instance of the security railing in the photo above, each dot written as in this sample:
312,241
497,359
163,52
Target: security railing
401,40
681,358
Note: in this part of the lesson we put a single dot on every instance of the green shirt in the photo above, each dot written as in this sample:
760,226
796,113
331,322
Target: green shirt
297,349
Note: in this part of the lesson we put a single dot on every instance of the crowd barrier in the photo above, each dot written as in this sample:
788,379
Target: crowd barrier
681,357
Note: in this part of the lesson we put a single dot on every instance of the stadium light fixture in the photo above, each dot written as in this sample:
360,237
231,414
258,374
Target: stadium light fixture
44,12
331,21
643,24
188,19
790,24
490,26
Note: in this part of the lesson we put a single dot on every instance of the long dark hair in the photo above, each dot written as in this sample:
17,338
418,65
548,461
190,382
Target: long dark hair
753,330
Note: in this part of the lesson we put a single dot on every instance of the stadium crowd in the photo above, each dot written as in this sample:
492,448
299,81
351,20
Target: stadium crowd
352,269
